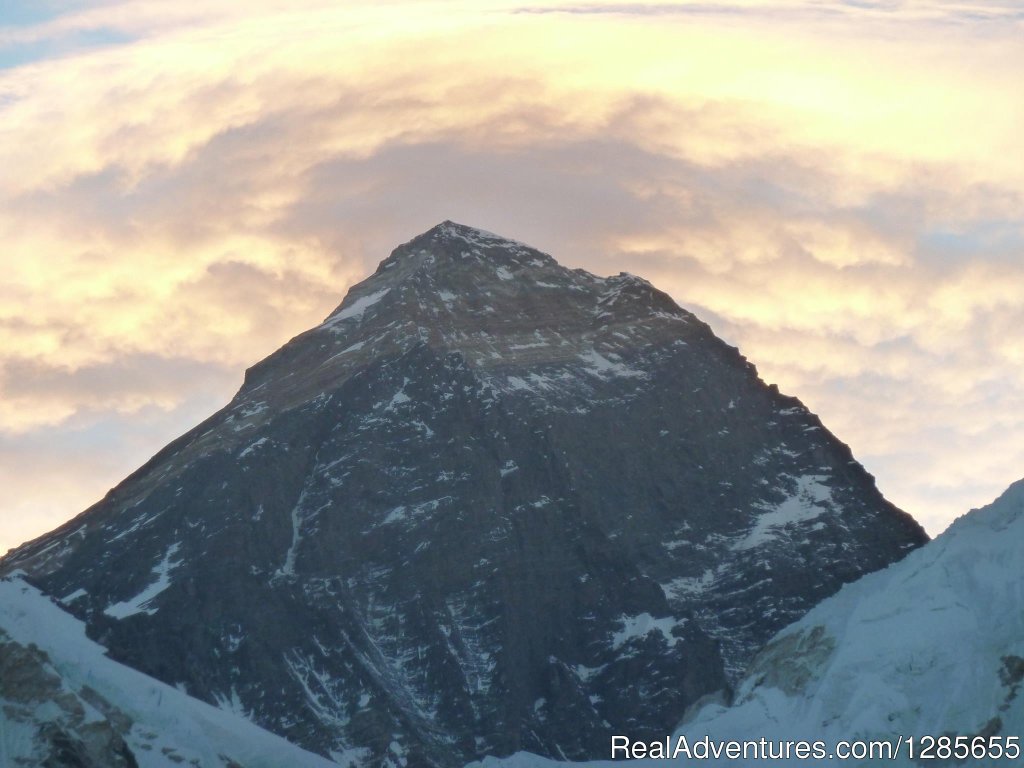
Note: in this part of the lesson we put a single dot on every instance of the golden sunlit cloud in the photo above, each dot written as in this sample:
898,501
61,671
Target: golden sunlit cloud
836,188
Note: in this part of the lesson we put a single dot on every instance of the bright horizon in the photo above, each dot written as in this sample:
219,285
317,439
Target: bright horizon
836,189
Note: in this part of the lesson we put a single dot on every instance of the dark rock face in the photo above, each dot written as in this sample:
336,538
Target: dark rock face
490,504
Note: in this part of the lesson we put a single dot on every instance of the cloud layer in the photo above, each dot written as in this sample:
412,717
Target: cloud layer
836,188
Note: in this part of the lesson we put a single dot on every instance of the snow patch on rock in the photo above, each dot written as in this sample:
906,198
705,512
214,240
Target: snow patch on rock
142,602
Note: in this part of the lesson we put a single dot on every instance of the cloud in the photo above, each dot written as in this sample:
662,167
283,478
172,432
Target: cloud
39,394
49,475
180,203
934,11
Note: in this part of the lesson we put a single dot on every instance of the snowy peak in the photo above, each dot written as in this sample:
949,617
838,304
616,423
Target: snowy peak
512,313
457,267
1004,513
457,254
459,243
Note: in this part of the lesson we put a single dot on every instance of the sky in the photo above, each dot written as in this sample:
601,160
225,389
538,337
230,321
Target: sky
836,187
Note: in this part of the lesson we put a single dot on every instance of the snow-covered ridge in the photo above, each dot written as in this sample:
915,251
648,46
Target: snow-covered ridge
931,645
65,686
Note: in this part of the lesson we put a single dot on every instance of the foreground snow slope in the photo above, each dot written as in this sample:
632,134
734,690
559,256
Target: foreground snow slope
932,645
63,702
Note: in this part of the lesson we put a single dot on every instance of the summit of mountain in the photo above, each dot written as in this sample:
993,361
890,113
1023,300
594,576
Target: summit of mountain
498,303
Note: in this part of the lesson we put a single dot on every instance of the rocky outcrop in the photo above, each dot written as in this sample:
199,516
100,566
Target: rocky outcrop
68,735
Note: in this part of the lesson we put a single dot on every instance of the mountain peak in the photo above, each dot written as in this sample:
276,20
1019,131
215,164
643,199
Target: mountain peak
499,305
457,517
449,230
451,243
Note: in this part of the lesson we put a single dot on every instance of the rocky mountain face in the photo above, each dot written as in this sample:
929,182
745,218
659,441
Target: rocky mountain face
490,504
